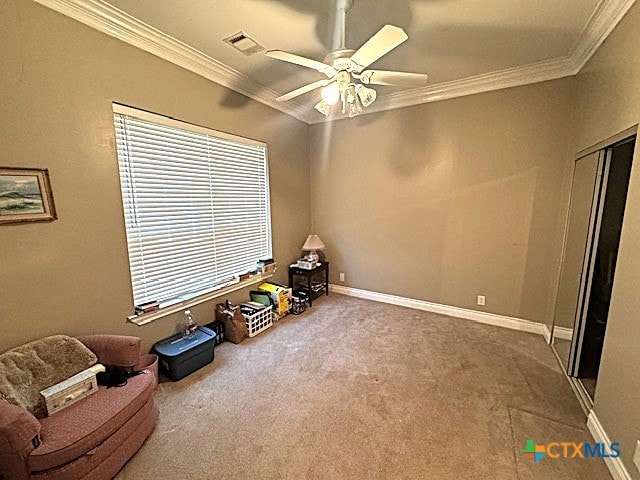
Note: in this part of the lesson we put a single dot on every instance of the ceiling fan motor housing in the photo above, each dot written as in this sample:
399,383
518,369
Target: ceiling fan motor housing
340,59
343,79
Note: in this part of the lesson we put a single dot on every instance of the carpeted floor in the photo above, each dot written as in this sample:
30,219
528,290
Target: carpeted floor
355,389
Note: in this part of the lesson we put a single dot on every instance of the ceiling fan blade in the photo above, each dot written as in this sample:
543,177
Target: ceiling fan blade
400,79
387,38
303,61
302,90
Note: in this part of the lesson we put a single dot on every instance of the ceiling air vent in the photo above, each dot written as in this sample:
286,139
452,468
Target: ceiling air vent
244,43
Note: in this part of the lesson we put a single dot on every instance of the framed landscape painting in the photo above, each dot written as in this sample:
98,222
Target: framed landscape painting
25,195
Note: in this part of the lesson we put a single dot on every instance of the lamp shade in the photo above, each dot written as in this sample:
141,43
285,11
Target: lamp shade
313,243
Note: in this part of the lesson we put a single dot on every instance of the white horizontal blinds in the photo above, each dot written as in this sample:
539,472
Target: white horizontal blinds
196,207
239,201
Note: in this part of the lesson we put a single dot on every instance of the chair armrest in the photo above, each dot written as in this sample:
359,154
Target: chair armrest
19,436
114,350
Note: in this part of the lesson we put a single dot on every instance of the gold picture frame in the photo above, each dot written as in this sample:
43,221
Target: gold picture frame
25,195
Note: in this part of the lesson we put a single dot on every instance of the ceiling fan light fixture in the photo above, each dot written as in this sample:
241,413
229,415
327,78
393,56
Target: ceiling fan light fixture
331,94
367,95
344,65
365,77
323,107
354,109
351,93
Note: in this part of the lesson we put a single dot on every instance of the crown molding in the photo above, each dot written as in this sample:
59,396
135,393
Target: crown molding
116,23
510,77
602,22
605,18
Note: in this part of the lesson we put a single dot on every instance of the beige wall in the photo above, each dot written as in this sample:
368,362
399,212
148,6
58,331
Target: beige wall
609,102
449,200
57,82
440,202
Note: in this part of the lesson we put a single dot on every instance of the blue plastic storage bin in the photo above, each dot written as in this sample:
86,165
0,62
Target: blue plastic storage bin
181,356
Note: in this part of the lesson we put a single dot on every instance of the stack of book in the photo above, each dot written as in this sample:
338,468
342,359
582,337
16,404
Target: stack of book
302,290
251,308
147,307
247,275
266,266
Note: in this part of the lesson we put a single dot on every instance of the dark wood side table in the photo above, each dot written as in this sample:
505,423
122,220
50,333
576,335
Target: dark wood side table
316,288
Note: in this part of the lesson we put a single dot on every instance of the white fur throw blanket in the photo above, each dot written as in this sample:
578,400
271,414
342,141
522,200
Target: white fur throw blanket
30,368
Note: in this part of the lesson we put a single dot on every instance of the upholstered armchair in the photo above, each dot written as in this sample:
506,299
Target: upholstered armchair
92,438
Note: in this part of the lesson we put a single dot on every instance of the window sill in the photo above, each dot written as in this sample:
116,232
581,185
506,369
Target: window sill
145,318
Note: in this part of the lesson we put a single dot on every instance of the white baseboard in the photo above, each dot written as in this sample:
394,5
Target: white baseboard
615,465
475,315
547,334
563,333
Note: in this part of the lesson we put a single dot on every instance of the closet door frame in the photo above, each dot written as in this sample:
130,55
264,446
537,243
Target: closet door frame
609,142
568,299
586,278
578,388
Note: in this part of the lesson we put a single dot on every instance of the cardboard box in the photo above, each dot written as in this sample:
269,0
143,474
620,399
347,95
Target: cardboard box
280,296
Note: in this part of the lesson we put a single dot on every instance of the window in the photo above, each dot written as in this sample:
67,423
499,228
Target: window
196,205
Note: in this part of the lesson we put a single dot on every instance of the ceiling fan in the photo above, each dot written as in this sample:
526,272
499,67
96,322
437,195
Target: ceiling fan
344,66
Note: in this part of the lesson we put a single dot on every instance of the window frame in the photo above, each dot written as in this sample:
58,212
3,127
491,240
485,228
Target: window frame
173,306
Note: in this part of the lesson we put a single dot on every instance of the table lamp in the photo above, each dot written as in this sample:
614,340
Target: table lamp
312,244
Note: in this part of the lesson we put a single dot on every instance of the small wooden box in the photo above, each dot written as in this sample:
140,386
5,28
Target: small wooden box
66,393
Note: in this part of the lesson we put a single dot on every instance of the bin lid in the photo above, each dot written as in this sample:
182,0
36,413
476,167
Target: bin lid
177,344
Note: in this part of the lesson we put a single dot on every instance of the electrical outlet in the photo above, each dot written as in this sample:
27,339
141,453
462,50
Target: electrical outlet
636,455
342,276
480,299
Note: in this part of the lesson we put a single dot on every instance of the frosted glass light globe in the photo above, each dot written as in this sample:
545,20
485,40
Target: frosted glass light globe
331,93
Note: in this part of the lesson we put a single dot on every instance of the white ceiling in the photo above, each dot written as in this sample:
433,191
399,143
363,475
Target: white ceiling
448,39
451,40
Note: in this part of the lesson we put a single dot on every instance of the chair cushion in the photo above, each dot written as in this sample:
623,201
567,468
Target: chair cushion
69,433
104,461
30,368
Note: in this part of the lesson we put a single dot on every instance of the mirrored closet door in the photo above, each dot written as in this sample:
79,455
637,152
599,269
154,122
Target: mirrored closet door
586,176
594,224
